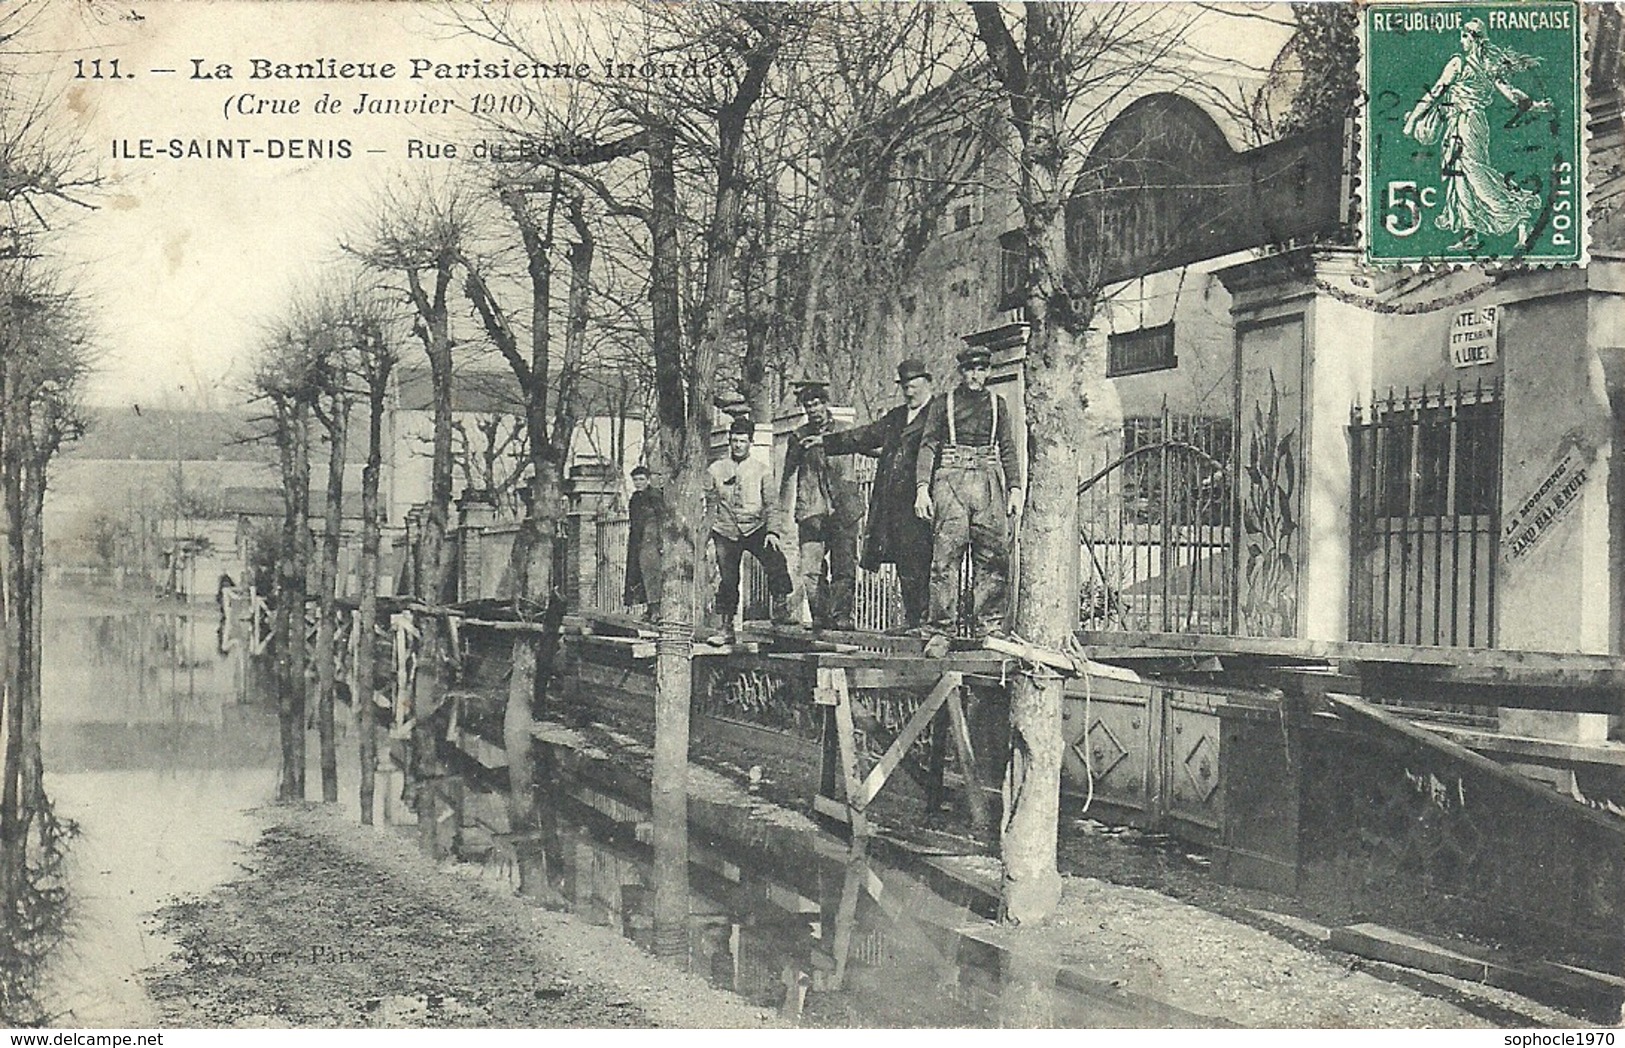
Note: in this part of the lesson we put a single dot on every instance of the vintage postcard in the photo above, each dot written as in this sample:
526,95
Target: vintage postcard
615,514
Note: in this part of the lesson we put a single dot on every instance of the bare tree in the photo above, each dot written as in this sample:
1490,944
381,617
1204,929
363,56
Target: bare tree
43,361
287,379
691,139
1063,70
891,130
375,359
420,235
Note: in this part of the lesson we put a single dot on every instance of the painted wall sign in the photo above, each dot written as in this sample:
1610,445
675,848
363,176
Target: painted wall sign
1162,188
1473,336
1547,505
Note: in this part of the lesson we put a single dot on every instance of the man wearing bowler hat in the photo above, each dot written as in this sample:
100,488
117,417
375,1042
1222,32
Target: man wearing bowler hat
827,509
895,535
744,516
968,483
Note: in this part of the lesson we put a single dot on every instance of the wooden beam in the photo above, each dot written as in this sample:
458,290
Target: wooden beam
849,639
835,681
1566,806
846,917
1471,665
961,661
960,726
895,753
1591,754
830,808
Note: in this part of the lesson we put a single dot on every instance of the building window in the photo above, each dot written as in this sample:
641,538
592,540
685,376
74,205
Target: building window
1425,496
1146,349
1439,460
1013,272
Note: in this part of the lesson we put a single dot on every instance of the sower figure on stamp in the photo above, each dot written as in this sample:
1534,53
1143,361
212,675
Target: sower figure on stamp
1479,198
744,516
643,545
826,507
969,485
895,534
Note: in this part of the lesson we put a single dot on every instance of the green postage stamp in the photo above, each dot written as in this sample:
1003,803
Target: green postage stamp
1472,130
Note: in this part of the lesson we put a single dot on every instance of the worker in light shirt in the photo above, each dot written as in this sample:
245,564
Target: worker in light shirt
742,505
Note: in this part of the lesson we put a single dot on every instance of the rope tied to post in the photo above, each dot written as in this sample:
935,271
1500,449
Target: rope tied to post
675,638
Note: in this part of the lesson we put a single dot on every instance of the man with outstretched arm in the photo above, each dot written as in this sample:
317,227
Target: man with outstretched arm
826,507
894,534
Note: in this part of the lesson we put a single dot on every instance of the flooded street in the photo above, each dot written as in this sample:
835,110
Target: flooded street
156,743
160,738
194,901
797,921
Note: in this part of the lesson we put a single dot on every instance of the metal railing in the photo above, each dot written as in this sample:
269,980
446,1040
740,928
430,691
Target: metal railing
1156,529
1425,501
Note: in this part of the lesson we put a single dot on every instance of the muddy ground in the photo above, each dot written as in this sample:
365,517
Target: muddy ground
337,925
1141,910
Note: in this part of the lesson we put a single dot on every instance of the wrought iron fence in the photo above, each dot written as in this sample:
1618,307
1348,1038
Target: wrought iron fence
1156,528
1425,503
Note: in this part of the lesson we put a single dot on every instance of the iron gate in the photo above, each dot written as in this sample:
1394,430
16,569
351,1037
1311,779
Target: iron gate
1425,503
1156,527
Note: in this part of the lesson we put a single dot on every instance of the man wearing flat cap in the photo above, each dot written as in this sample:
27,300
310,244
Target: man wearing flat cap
643,544
827,509
744,517
895,535
968,483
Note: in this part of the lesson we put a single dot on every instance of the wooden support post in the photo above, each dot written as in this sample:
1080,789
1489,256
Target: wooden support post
939,760
832,691
876,779
846,916
967,764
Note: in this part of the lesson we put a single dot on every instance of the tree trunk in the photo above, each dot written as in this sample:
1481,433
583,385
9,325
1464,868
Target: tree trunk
13,734
434,649
1045,615
367,615
33,770
326,676
674,648
1037,86
291,575
516,740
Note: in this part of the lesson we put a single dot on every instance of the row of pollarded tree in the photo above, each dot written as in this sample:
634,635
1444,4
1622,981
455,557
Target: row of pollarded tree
737,228
45,356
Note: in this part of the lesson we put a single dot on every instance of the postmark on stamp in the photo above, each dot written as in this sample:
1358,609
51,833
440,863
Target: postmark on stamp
1472,131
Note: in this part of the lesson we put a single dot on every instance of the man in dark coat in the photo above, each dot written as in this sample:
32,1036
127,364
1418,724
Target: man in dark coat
895,535
643,544
826,506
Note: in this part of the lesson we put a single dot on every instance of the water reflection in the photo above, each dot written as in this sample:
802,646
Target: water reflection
788,917
159,733
33,921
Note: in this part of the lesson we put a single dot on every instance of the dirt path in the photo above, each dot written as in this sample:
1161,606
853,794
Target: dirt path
337,925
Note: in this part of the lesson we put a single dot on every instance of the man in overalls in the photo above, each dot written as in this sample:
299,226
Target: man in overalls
968,483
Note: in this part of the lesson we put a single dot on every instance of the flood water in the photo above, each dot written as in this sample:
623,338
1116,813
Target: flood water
156,742
789,917
160,734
